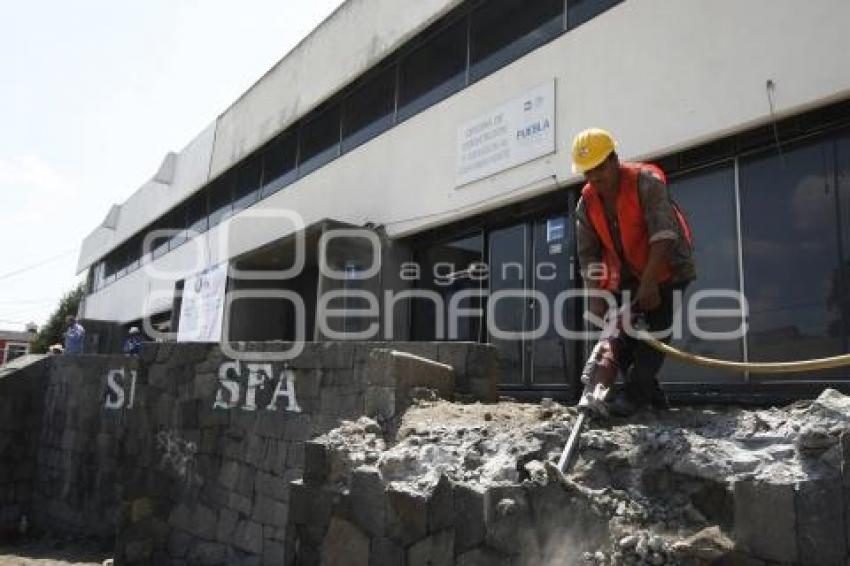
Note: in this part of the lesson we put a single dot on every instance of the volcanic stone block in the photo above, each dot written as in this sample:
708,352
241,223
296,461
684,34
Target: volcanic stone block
328,355
367,500
468,517
274,487
229,474
385,552
270,512
820,522
404,371
441,506
178,544
138,551
274,460
436,550
315,462
310,505
274,553
249,537
482,556
507,516
208,554
227,519
379,402
344,544
239,503
406,515
204,522
764,519
413,371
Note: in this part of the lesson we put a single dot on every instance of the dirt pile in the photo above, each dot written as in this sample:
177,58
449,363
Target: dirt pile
686,486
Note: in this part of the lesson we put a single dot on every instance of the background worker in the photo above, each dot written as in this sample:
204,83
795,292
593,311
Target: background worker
75,336
633,242
133,343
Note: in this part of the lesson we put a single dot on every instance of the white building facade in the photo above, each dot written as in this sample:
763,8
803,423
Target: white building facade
445,127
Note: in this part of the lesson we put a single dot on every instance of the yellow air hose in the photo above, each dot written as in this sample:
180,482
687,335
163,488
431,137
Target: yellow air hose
757,367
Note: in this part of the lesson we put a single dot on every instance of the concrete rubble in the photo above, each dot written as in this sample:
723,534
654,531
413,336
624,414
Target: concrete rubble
471,484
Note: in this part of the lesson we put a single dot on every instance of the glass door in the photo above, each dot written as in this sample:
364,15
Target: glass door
530,266
508,311
552,354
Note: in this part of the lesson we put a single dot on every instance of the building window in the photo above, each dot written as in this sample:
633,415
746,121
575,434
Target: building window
447,269
246,190
114,262
158,239
319,140
502,31
369,110
196,214
99,276
707,197
790,223
279,163
134,253
581,11
220,199
434,71
175,223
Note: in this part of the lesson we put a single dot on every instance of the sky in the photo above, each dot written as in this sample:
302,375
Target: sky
93,94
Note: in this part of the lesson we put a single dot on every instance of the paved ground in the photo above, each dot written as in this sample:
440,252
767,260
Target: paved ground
52,552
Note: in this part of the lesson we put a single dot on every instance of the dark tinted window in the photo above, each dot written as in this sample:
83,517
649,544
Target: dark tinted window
505,30
447,269
707,197
433,71
369,110
246,190
791,254
134,253
158,239
840,285
580,11
175,222
508,270
279,161
319,140
220,199
196,214
114,261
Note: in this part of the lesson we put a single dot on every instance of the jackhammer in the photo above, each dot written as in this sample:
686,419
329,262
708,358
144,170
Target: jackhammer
598,376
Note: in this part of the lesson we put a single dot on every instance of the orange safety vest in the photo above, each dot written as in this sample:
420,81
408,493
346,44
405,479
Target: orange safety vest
633,231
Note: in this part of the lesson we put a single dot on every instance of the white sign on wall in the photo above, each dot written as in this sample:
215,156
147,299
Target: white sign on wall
202,309
516,132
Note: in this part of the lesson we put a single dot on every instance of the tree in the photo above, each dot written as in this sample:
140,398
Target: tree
51,333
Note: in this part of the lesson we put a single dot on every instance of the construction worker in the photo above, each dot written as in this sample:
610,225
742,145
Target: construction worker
634,243
74,335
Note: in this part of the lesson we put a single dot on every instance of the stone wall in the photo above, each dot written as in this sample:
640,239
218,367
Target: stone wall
185,455
21,409
207,467
76,485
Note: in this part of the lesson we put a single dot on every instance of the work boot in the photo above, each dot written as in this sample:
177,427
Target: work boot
625,405
658,399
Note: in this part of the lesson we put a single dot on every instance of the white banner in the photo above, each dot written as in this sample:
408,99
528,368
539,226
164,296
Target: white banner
516,132
202,309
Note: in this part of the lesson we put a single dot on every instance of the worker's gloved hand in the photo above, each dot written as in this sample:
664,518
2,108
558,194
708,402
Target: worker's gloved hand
648,296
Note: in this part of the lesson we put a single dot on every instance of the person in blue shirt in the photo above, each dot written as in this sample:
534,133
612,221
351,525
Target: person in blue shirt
75,336
133,342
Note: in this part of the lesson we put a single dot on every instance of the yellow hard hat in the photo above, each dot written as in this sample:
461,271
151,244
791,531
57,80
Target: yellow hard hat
590,148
